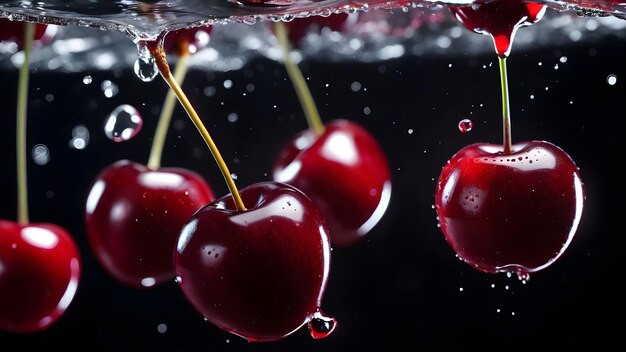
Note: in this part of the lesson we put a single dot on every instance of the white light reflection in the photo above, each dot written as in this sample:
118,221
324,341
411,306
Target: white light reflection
185,235
94,196
340,148
385,196
70,291
39,237
295,213
148,281
288,173
160,180
536,158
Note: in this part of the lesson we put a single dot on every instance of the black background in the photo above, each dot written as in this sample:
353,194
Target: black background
401,289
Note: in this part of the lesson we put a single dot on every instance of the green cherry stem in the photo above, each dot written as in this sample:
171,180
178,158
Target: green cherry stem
22,102
506,113
164,70
299,83
156,151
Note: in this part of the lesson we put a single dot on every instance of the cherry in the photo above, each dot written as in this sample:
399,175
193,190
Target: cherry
299,27
133,216
40,268
258,273
514,211
13,31
500,19
186,41
344,171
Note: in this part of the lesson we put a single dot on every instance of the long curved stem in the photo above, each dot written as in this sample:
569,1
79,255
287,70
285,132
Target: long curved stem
164,70
299,83
20,144
506,113
156,151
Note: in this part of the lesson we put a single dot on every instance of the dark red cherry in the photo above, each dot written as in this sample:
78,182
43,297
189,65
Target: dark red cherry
500,19
13,31
259,273
299,27
345,172
187,40
133,216
509,212
40,268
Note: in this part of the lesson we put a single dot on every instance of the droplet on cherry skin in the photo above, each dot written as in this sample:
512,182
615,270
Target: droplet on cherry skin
123,123
465,125
320,325
145,65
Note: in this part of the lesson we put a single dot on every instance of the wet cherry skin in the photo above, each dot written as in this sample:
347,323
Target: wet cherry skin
259,273
500,19
133,216
187,40
509,212
13,31
344,171
40,268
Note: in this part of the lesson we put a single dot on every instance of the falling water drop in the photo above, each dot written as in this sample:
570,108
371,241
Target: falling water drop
41,154
465,125
145,66
123,123
320,325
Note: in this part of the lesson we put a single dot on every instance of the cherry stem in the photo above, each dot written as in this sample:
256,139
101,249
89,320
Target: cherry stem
156,151
164,70
299,83
506,113
22,102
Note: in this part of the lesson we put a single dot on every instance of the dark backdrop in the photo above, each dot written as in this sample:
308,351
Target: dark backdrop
401,289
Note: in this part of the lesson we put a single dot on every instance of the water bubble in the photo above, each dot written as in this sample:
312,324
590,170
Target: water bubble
41,154
145,66
563,59
232,117
80,137
355,86
465,125
320,326
162,328
611,79
87,80
109,88
123,123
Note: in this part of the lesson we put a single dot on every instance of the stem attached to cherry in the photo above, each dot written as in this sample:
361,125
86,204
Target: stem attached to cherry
299,83
156,151
164,70
22,102
506,113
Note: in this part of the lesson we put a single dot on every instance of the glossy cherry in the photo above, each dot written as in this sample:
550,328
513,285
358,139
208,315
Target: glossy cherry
40,268
500,19
13,31
511,211
344,171
133,216
259,273
187,40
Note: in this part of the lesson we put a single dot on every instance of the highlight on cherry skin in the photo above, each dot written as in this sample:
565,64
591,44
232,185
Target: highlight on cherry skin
512,211
186,41
133,216
344,171
258,273
40,268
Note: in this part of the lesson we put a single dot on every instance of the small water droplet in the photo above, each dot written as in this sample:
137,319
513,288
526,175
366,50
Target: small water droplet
87,80
145,65
109,88
162,328
123,123
465,125
320,326
611,79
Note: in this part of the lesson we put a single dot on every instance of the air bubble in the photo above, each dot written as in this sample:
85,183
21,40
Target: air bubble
611,79
123,123
41,154
465,125
87,80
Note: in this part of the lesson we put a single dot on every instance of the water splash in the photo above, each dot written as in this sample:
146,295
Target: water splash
123,123
465,125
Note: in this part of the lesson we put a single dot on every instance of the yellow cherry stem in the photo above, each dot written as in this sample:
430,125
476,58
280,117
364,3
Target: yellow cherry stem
299,83
506,113
156,151
164,70
20,131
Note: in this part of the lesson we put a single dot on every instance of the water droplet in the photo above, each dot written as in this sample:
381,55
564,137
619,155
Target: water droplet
611,79
145,66
80,137
232,117
162,328
320,326
41,154
123,123
87,80
465,125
